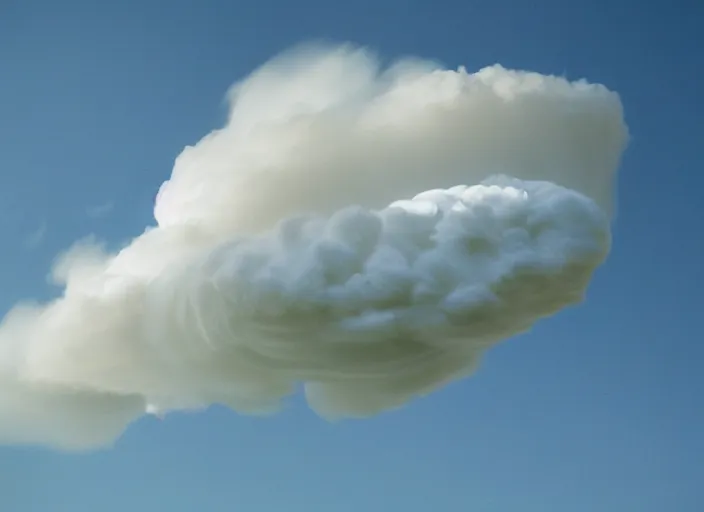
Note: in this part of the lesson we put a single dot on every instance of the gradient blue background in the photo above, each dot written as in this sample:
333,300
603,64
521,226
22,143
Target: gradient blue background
597,409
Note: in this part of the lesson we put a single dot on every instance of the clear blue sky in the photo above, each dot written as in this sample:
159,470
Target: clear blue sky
597,409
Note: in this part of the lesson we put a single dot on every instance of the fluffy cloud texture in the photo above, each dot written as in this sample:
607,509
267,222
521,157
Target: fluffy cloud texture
365,232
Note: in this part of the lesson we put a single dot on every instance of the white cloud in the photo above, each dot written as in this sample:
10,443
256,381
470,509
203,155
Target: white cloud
293,246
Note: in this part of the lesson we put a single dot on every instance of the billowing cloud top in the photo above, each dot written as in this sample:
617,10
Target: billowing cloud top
367,232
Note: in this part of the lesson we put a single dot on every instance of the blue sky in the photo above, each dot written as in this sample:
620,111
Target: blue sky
598,408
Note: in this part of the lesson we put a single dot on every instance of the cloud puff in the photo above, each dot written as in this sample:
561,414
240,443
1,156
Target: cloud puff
366,232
